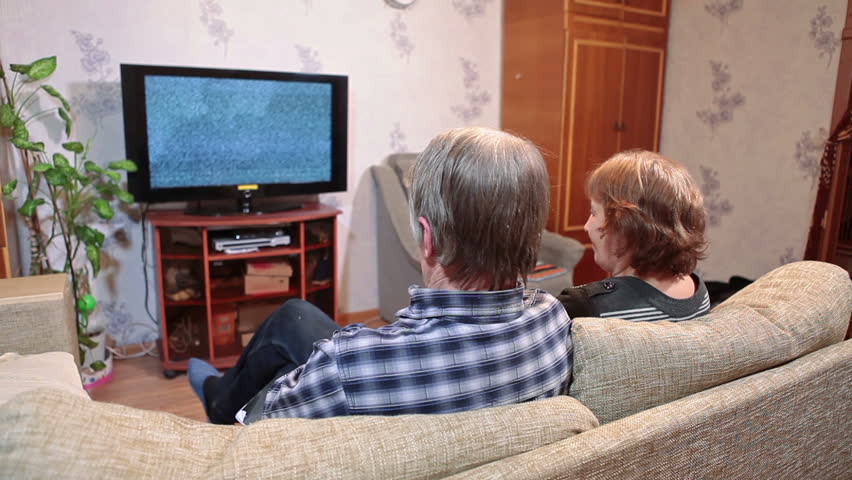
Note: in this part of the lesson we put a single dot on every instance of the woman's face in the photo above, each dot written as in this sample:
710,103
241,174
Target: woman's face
604,246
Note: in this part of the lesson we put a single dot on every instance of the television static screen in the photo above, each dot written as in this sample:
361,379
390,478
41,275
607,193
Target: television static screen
205,131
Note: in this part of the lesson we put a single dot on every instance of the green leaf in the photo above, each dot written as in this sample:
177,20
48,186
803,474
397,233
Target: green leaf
115,176
75,147
93,253
91,166
20,132
9,188
29,207
98,365
82,356
128,165
7,116
67,118
86,341
2,72
125,196
41,167
27,145
90,236
60,161
55,93
56,177
19,68
107,188
102,208
84,180
42,68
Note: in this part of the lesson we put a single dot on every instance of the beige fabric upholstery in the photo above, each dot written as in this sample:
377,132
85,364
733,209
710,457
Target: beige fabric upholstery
791,422
622,367
50,434
23,373
38,315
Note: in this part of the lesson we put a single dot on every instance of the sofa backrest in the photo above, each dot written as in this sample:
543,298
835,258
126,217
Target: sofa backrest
790,422
622,367
52,434
32,306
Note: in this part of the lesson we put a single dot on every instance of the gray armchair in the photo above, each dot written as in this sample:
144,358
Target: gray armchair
399,264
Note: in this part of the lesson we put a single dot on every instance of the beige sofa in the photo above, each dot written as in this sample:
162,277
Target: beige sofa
759,388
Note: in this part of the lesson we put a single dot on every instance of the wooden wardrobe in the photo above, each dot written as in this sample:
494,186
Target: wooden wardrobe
583,79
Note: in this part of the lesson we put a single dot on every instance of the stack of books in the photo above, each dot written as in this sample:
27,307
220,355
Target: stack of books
267,276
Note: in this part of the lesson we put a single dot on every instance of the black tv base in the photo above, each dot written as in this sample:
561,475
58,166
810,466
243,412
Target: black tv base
241,207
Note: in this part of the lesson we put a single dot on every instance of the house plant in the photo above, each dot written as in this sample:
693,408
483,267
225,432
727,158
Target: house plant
64,193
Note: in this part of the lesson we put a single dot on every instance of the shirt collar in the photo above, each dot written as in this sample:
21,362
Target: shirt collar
429,303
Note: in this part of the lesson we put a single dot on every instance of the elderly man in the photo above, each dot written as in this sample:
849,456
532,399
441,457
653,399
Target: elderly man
472,337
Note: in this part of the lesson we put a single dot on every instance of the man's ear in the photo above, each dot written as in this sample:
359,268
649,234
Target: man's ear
427,250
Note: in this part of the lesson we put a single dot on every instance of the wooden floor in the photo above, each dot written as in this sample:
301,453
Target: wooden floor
139,383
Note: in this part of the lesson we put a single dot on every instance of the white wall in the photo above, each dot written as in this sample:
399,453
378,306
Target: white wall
412,73
752,131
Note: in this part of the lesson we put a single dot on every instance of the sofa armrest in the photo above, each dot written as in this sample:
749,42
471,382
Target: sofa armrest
37,315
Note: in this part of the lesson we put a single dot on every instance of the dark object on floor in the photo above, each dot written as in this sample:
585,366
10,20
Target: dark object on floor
721,291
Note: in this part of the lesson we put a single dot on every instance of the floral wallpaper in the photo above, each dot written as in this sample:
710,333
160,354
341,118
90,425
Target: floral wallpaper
748,99
412,73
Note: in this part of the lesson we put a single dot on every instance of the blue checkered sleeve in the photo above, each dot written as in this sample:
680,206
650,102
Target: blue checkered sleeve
313,390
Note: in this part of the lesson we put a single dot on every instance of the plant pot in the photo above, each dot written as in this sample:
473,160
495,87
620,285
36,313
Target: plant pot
97,361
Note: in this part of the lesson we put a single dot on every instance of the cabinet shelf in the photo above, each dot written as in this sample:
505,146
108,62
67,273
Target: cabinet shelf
266,252
185,303
234,296
318,246
316,288
181,256
195,319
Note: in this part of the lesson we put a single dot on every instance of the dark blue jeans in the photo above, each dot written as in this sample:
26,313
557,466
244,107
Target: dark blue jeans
283,342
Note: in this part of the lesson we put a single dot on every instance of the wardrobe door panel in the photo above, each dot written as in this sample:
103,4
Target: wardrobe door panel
642,99
593,112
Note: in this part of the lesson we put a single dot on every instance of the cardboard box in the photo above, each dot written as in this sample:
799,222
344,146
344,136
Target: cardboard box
251,315
281,268
256,284
224,324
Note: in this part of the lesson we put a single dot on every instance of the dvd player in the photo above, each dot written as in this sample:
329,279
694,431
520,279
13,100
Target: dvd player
243,241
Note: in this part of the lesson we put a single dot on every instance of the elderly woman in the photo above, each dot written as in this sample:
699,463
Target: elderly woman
647,231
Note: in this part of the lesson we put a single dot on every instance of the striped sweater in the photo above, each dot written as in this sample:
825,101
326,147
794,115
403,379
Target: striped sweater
632,299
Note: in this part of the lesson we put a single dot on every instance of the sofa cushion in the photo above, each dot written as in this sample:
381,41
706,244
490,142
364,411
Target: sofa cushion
623,367
48,433
22,373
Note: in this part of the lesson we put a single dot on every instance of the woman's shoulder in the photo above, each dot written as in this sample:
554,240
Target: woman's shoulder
583,300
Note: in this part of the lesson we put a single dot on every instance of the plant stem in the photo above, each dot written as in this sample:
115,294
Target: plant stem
24,103
40,114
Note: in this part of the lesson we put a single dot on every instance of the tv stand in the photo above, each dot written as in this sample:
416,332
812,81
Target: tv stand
207,300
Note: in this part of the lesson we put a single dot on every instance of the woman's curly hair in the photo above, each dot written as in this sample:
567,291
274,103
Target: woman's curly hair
655,210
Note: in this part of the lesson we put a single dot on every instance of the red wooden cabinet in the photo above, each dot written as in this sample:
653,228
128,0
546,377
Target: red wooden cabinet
204,308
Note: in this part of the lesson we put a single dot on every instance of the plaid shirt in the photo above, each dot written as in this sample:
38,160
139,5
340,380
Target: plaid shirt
449,351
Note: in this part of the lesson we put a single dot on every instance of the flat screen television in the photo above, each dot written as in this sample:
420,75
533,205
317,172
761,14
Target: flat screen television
212,134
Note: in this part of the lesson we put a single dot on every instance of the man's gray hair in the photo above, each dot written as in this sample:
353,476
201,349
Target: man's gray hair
486,195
